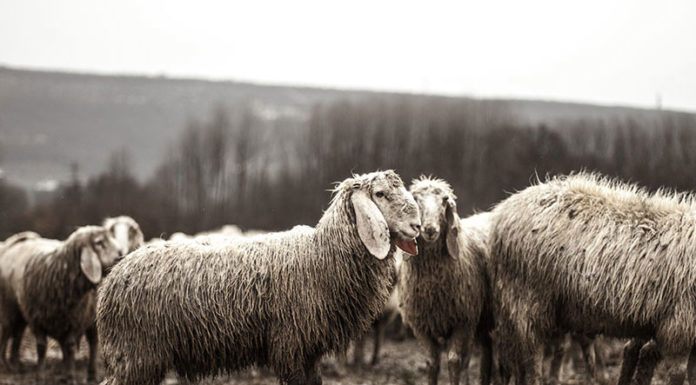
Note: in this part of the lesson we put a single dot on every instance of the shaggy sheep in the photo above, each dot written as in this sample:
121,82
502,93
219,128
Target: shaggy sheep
126,231
46,284
281,300
127,235
444,291
590,255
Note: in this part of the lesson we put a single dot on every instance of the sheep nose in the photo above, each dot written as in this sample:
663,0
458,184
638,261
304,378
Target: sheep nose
430,230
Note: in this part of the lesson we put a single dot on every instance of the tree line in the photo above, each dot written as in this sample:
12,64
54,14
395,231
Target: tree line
238,168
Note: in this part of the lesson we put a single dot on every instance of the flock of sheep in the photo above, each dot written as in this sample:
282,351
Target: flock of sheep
578,255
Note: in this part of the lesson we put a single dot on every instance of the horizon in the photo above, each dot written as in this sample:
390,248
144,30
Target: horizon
64,71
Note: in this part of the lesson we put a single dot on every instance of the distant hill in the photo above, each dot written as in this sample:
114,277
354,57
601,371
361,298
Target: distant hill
51,119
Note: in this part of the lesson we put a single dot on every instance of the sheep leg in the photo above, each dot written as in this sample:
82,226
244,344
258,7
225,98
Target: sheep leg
691,367
402,330
4,338
649,358
587,352
557,353
307,374
631,352
432,364
68,349
341,363
312,373
379,335
358,351
458,356
600,364
17,334
676,369
531,369
40,350
93,341
486,365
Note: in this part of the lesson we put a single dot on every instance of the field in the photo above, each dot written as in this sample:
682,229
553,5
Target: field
402,363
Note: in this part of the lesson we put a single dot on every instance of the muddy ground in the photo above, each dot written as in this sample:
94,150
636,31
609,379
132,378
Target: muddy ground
401,363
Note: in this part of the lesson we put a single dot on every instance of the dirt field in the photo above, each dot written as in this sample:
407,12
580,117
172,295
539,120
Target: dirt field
402,363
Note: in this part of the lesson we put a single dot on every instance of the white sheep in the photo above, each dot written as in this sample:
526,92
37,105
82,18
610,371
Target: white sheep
444,291
592,255
281,299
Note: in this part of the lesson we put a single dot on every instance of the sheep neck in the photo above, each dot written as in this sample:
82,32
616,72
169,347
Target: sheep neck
337,233
431,253
355,285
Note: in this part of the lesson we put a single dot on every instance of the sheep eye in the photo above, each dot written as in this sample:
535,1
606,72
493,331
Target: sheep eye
379,194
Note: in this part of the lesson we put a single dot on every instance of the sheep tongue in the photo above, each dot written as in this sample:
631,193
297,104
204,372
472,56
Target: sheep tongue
409,246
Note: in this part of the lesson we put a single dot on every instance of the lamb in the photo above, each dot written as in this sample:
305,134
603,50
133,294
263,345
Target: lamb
46,284
444,291
591,255
280,300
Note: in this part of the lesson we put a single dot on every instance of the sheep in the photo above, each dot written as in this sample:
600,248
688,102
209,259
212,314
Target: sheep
126,231
127,235
280,300
444,291
587,254
46,284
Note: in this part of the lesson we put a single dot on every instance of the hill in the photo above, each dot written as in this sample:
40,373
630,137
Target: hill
49,120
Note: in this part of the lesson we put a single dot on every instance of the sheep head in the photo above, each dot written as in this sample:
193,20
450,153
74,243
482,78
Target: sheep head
438,208
98,251
385,212
126,231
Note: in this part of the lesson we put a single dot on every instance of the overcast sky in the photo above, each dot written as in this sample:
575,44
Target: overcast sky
603,51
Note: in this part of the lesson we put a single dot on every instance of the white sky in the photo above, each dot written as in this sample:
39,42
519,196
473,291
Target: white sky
603,51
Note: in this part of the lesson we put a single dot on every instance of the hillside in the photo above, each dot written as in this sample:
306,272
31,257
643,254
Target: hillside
51,119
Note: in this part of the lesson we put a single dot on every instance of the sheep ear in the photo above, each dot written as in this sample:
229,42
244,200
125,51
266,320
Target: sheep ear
90,265
372,227
453,228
